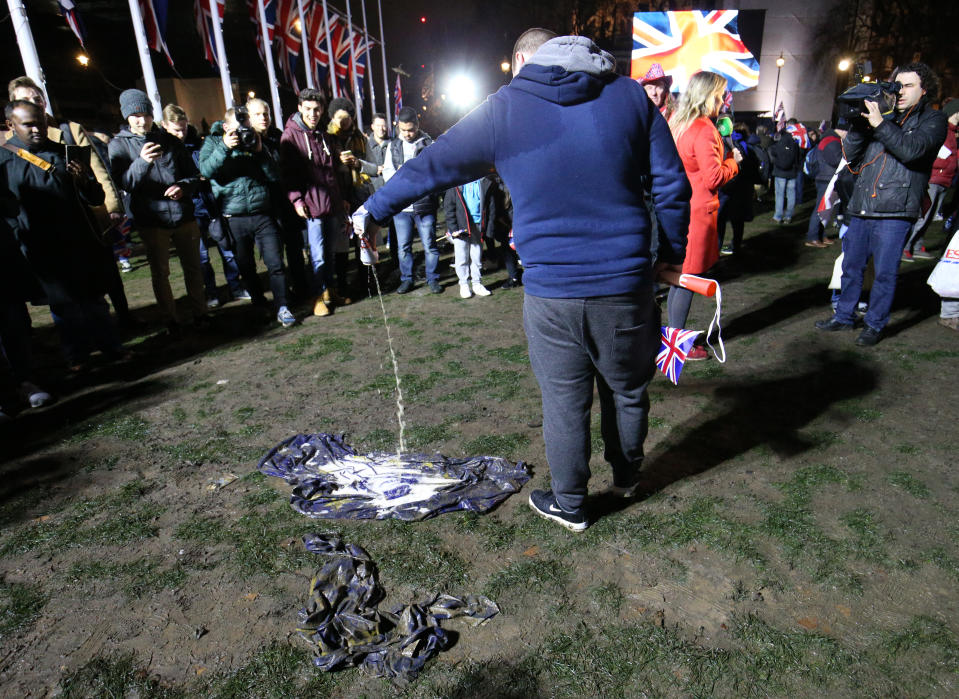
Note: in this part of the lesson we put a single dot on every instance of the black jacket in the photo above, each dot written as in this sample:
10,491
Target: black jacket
828,155
893,162
427,205
146,182
54,228
376,154
786,156
458,217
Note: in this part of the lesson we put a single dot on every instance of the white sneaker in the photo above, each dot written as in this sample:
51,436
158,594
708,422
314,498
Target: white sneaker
465,292
481,290
242,296
213,302
285,317
125,266
34,395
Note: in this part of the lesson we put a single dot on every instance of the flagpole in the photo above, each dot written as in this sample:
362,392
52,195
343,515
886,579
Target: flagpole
270,70
386,78
356,87
305,44
220,53
329,52
369,61
28,49
146,62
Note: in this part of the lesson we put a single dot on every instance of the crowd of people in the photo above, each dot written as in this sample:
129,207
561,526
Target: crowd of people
70,198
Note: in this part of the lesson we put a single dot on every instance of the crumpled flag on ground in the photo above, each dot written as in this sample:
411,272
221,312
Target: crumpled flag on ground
342,622
330,480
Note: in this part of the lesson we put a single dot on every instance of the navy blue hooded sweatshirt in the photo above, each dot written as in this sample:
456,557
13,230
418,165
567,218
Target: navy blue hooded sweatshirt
573,142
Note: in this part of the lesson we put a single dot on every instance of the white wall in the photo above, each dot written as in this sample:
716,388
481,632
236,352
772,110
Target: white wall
807,81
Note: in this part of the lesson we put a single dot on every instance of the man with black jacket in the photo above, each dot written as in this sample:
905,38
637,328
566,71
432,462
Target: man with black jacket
828,154
892,158
786,156
160,177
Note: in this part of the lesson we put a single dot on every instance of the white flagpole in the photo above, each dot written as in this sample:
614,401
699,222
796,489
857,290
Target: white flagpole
220,53
305,42
386,77
270,70
146,61
356,87
329,51
369,60
28,49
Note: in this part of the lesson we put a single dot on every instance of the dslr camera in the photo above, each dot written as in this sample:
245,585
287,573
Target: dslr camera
851,103
245,132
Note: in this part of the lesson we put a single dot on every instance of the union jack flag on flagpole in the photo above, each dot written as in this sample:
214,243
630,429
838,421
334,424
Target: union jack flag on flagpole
269,7
780,117
287,15
675,347
204,26
397,99
319,56
155,14
68,9
686,42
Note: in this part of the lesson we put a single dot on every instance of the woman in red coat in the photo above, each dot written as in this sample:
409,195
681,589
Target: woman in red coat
701,149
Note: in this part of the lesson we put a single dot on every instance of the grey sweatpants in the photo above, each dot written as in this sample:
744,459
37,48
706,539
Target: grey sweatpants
612,340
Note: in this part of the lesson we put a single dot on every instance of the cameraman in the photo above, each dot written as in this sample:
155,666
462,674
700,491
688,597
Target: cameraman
242,174
892,157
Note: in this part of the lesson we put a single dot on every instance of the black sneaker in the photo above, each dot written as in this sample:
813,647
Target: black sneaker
405,287
868,337
543,503
435,287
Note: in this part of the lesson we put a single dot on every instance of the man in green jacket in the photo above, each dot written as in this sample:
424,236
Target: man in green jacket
242,172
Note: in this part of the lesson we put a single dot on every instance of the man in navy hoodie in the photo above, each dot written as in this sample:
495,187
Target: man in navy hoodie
574,142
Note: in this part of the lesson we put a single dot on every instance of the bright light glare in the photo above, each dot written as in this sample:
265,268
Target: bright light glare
462,90
844,64
83,60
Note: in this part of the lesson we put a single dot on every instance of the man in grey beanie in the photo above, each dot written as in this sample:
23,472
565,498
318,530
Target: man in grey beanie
160,176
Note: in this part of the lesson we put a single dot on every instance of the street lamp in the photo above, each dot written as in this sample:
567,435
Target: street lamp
844,64
780,62
83,59
505,66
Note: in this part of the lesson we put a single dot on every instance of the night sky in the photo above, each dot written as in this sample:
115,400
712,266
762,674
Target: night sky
460,36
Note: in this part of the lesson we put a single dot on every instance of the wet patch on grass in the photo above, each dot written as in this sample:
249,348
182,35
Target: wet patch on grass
504,445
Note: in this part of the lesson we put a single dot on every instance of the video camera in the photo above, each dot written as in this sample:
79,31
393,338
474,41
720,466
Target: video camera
852,102
245,132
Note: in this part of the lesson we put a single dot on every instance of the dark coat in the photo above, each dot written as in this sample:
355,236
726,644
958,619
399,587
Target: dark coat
146,182
458,217
54,227
376,154
894,161
828,156
424,206
242,181
786,156
309,158
17,282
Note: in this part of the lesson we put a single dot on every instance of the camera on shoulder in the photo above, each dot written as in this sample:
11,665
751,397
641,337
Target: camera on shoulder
244,131
852,102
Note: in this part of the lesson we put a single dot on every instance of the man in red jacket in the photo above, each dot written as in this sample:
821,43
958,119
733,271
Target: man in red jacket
943,172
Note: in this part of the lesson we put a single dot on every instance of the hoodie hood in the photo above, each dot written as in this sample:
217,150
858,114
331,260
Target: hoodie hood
567,70
296,120
217,128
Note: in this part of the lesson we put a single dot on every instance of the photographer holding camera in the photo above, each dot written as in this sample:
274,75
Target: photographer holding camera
891,155
242,174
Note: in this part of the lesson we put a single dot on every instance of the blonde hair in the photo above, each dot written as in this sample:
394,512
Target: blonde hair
695,101
173,113
257,102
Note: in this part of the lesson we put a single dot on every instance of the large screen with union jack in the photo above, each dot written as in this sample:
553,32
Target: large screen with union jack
686,42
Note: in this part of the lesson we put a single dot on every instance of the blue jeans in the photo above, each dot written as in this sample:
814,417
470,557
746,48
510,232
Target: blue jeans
785,189
425,225
611,342
230,270
879,238
320,233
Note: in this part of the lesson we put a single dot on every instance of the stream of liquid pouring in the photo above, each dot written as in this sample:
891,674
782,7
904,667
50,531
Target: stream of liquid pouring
396,369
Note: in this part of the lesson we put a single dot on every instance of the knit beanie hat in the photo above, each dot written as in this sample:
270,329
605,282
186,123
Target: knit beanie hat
338,103
135,102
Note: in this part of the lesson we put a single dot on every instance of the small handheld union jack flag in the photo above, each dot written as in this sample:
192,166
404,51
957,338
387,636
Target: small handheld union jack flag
672,355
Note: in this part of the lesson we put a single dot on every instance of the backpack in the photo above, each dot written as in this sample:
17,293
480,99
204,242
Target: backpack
764,165
784,152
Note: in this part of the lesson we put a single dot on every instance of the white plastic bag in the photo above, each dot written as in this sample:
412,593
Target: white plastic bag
944,279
